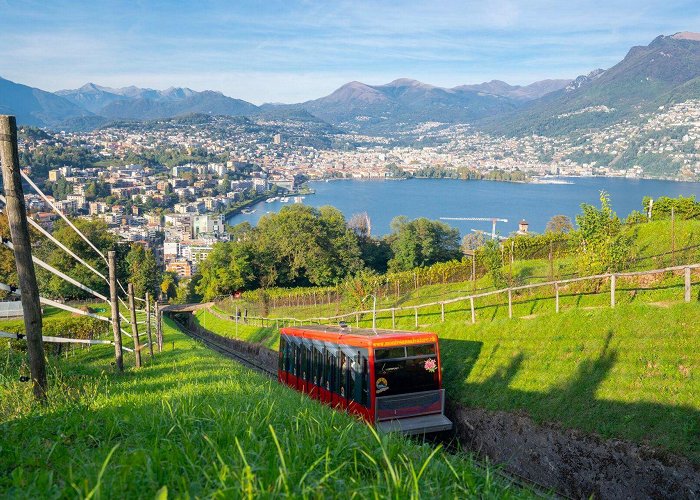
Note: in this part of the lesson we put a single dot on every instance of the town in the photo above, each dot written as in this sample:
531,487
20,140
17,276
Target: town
180,211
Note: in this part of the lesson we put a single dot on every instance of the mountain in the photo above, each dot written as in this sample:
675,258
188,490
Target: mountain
145,108
357,105
647,77
134,103
36,107
92,97
521,93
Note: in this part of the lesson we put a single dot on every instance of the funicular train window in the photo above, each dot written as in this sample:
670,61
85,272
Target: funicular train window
402,375
318,364
390,353
343,374
420,350
365,381
333,373
309,362
303,363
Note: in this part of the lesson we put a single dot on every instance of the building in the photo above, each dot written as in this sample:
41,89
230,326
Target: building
277,139
207,224
523,227
182,268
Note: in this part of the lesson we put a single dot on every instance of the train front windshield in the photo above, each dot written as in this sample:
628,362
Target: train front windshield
406,369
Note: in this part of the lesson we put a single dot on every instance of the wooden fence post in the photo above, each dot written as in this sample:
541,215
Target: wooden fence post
687,284
19,231
114,304
415,310
148,323
556,297
159,327
471,303
393,318
134,326
442,311
357,320
613,279
510,303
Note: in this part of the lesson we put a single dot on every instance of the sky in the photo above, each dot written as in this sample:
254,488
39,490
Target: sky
292,51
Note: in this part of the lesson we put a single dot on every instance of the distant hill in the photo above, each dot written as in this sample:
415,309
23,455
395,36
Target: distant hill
647,77
409,102
36,107
134,103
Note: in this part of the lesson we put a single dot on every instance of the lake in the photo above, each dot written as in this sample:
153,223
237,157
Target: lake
434,198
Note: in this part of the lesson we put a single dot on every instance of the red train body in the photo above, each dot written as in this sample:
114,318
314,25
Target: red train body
390,378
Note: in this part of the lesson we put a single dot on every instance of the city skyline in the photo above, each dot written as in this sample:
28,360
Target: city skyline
295,51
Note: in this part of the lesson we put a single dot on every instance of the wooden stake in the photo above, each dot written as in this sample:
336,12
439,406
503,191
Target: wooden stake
159,327
416,314
134,326
510,303
471,303
393,318
442,311
19,231
613,279
148,323
114,304
556,295
687,284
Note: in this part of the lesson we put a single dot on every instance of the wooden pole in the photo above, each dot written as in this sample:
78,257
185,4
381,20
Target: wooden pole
148,324
556,297
473,271
471,304
114,304
673,237
442,311
134,326
393,318
19,231
687,284
159,327
613,279
415,310
510,303
357,320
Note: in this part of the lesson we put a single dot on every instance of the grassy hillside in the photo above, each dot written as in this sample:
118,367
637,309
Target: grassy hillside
651,249
632,372
199,425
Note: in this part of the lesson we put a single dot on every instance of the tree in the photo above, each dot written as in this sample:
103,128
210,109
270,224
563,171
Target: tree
559,224
473,241
227,268
96,232
421,242
144,272
602,246
491,255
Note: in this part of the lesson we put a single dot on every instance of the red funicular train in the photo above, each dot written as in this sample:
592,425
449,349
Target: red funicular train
391,378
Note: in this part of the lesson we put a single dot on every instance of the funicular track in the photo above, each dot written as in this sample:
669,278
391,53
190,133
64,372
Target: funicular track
447,440
211,342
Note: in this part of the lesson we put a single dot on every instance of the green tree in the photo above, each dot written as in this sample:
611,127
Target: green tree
602,246
559,224
227,268
144,272
492,259
422,242
95,231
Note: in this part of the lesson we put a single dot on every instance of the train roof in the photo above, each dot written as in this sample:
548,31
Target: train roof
363,336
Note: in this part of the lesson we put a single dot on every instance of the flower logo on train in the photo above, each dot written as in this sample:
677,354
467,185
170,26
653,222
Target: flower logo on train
430,365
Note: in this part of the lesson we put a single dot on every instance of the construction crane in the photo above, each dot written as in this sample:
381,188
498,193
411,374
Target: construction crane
492,220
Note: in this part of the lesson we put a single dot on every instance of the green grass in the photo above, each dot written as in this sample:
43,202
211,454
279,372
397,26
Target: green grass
632,372
200,425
